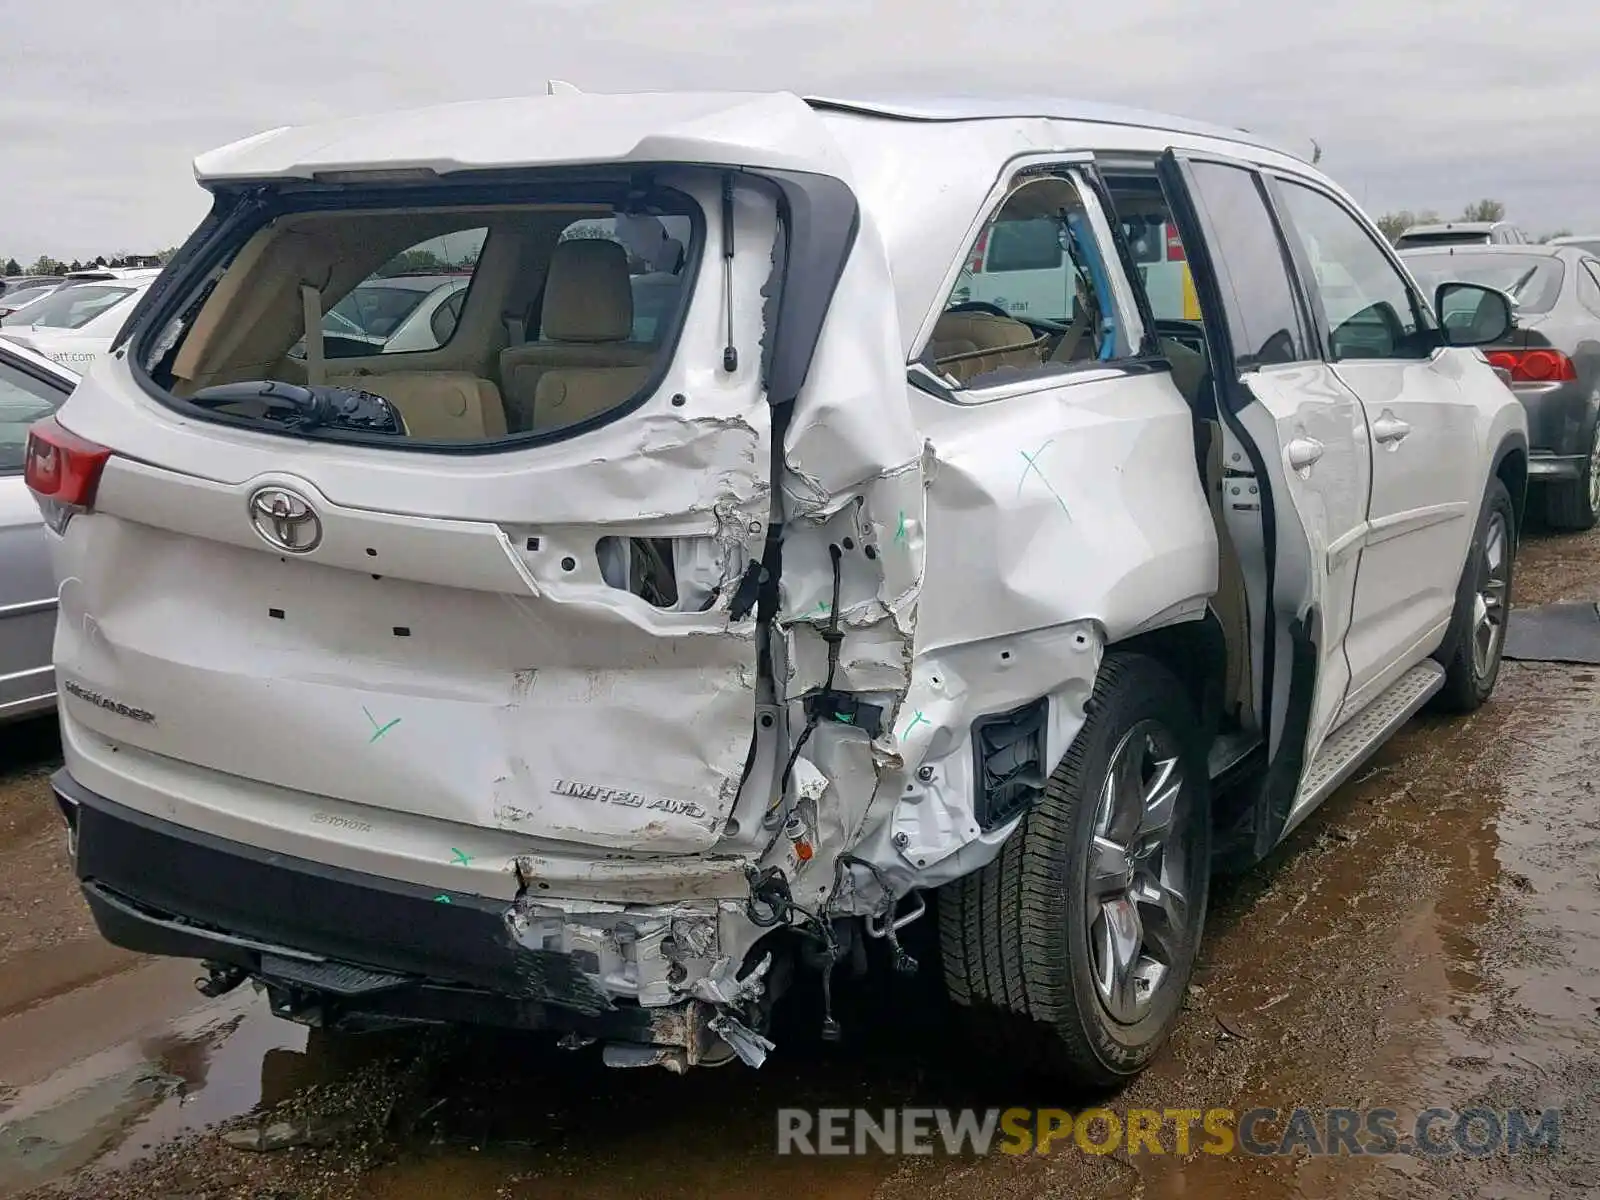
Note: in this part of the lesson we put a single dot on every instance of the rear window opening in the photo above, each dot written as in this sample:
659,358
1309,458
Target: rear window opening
1533,281
437,326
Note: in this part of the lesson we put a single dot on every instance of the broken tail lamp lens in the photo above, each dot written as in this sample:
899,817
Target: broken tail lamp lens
62,470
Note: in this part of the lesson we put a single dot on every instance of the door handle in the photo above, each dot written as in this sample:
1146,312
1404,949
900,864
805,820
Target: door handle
1389,430
1304,452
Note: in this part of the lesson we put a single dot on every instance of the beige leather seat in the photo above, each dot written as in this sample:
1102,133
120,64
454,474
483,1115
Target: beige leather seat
437,405
585,360
979,342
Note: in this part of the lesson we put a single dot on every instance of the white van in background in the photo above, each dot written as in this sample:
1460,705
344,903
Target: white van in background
1022,268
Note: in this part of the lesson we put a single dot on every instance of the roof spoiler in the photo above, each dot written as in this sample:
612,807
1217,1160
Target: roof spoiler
560,87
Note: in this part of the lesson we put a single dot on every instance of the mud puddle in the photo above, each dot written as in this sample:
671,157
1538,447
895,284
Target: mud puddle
104,1054
1429,940
103,1074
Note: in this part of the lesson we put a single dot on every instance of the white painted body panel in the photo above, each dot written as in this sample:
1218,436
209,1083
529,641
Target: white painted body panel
1012,541
1427,489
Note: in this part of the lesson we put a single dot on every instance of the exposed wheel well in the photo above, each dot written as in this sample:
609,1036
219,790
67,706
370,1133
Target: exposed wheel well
1197,653
1512,470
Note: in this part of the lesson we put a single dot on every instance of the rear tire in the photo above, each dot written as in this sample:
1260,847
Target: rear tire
1471,653
1574,505
1072,951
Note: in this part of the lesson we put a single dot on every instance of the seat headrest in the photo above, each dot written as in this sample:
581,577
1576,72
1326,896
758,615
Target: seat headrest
587,297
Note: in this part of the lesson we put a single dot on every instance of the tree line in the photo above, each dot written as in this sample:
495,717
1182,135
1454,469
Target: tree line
1393,224
47,265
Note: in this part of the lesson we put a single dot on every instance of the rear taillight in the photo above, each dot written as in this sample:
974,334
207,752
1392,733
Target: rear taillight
62,470
1535,366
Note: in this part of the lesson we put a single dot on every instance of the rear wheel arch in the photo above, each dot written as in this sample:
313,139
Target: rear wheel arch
1194,651
1511,469
1018,936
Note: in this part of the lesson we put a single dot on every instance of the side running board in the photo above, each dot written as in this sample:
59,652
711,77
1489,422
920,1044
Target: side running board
1355,741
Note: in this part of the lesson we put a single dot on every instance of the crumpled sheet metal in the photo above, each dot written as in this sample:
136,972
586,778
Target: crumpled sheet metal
751,1047
1024,537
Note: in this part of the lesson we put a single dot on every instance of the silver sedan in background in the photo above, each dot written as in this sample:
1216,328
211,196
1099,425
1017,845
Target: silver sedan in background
31,387
1589,242
1552,356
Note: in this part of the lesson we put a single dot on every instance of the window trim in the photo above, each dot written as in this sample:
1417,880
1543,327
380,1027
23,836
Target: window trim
1131,315
1149,346
1422,311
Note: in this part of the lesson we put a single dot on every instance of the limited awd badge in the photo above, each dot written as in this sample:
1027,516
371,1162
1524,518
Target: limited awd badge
285,520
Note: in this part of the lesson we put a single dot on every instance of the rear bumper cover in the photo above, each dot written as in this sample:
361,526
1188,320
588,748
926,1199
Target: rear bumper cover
1560,426
340,948
1543,465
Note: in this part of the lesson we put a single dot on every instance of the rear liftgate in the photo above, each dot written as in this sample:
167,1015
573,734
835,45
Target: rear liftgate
651,786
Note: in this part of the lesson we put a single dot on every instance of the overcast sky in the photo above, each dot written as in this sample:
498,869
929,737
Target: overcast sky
103,103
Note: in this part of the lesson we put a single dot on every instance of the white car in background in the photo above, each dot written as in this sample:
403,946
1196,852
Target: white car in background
31,388
394,315
75,324
14,297
1589,243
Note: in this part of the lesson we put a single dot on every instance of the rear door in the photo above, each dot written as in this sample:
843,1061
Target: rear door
1295,434
1426,481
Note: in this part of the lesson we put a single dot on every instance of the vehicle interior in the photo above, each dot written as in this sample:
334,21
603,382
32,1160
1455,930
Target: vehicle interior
568,311
1142,207
979,342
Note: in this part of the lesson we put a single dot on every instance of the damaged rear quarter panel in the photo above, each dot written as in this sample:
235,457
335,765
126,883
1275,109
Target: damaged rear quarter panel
1076,502
1059,520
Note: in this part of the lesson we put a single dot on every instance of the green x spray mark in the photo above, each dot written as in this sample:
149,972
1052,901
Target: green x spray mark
459,858
1033,469
378,730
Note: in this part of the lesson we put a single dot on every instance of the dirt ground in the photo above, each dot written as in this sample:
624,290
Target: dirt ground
1430,938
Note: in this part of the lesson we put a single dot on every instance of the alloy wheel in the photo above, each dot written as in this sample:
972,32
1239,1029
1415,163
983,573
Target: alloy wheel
1138,911
1489,601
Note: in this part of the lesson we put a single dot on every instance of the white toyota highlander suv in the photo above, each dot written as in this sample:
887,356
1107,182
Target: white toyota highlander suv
574,673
